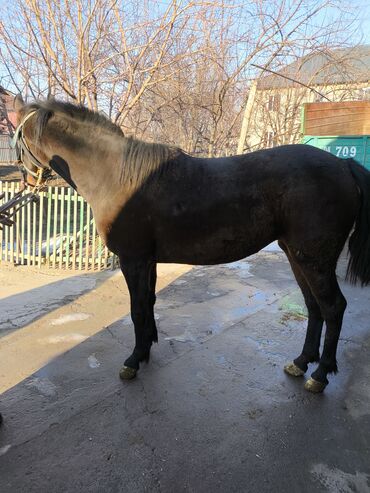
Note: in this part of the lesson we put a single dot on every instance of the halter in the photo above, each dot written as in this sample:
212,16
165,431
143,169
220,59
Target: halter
19,143
10,208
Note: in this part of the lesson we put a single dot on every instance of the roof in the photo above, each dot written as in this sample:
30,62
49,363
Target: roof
341,66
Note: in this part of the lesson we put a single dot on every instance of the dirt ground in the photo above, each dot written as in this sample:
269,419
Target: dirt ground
56,310
212,411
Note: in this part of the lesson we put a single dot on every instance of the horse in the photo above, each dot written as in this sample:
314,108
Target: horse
155,203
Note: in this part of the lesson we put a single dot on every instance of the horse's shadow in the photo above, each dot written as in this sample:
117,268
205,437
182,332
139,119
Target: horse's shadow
21,309
222,404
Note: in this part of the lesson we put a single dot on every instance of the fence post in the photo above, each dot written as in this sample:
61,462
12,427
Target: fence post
69,200
61,228
41,226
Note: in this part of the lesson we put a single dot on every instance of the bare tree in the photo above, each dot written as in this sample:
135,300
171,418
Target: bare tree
177,71
327,75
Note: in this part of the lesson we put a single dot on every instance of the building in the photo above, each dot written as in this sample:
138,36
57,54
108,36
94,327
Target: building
7,112
339,75
7,125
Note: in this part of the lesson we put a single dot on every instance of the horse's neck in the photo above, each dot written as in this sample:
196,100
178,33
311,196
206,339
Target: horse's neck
95,173
98,181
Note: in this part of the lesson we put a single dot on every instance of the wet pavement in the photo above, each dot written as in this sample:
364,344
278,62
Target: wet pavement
212,411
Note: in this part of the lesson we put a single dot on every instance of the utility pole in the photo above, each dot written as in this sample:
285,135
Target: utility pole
247,116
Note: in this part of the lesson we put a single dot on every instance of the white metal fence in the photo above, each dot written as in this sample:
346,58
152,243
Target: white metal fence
58,231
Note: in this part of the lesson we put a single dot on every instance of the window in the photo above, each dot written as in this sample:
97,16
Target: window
320,96
270,139
365,94
274,102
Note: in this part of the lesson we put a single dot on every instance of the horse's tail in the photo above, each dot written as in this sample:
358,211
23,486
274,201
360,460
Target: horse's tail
359,241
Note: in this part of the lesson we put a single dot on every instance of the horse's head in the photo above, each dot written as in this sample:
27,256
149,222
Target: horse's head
26,141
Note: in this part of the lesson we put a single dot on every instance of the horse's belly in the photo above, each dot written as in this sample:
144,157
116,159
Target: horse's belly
222,246
221,234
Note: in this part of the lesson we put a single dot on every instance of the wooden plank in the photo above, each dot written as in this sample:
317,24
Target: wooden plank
106,254
81,233
1,230
7,197
11,239
93,247
41,226
27,233
342,118
61,227
28,219
100,246
69,200
75,205
87,246
34,221
55,226
17,235
48,224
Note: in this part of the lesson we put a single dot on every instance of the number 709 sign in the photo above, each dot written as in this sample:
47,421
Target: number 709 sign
342,151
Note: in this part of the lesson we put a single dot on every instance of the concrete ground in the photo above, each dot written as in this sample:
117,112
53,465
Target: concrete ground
212,411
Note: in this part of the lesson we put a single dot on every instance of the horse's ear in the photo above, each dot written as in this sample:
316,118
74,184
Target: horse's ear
18,103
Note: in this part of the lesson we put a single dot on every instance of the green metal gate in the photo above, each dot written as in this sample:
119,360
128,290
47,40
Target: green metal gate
59,232
356,147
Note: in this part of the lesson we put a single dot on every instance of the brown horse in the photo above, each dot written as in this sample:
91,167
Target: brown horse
153,203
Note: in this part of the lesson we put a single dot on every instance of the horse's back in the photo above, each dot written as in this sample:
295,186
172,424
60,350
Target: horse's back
206,211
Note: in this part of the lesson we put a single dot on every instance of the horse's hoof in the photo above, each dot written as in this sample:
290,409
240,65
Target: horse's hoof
127,373
314,386
293,370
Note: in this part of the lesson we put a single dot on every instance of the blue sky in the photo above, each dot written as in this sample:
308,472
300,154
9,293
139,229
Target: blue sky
365,23
358,9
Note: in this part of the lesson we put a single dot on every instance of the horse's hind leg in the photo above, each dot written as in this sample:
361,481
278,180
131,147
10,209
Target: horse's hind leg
332,304
141,278
311,348
324,286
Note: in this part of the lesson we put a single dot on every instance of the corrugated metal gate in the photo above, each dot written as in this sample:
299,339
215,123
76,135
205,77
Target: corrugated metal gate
58,232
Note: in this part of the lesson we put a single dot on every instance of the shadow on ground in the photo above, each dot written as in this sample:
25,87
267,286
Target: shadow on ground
212,411
21,309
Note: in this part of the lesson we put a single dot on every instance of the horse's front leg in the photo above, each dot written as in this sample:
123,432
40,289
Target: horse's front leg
141,278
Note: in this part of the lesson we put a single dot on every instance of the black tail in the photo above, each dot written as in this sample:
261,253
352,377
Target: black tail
359,242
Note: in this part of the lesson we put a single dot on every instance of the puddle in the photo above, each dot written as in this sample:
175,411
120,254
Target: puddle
259,296
266,346
221,359
73,317
240,312
178,282
93,361
4,450
253,304
185,337
65,338
43,385
242,267
334,480
214,293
